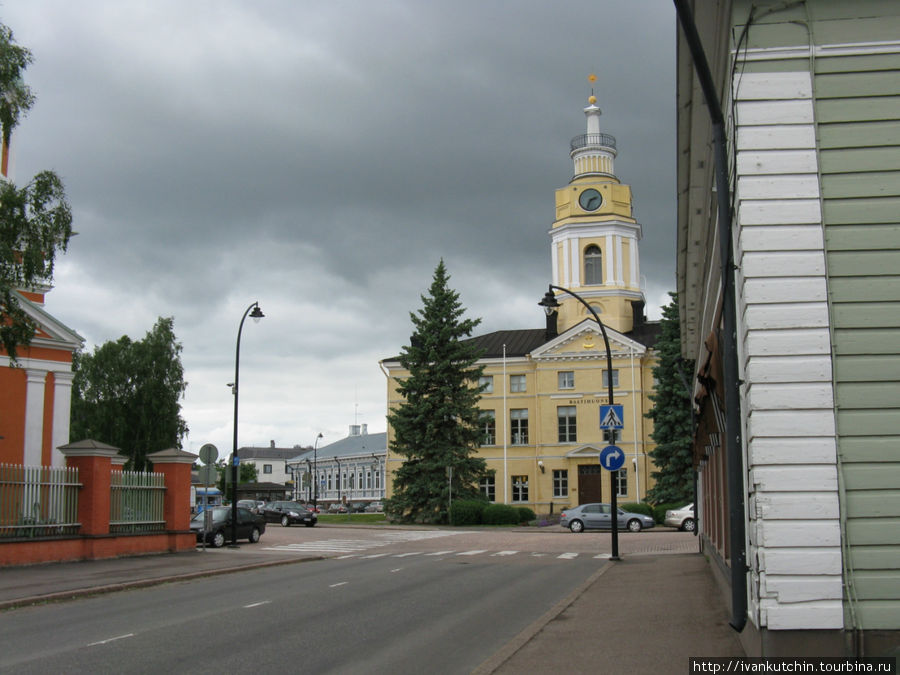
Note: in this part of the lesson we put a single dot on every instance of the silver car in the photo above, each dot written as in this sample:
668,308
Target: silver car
682,518
597,517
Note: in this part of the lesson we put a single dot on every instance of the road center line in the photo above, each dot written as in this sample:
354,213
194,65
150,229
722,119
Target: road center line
112,639
342,583
257,604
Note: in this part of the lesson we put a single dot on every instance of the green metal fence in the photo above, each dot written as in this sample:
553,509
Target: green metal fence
38,501
136,502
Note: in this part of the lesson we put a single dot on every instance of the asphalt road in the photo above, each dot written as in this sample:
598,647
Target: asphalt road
398,612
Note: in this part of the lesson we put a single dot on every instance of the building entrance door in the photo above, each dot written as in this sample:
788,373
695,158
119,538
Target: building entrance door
590,482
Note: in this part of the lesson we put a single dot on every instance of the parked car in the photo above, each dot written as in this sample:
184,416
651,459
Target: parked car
289,513
358,507
337,508
375,507
597,517
218,529
682,518
250,504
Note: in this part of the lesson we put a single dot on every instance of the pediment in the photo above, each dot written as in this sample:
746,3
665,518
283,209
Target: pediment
589,450
49,330
585,341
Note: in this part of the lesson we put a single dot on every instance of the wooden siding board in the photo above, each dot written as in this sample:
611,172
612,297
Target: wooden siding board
880,531
800,342
862,237
864,263
794,479
877,585
862,289
872,109
868,423
860,341
789,560
861,211
875,504
874,557
860,160
878,614
852,185
801,451
864,314
810,505
855,63
870,449
789,369
782,238
856,134
868,368
872,476
869,395
857,84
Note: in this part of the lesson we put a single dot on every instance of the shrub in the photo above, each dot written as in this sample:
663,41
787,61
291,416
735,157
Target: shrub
526,515
659,511
467,511
500,514
644,508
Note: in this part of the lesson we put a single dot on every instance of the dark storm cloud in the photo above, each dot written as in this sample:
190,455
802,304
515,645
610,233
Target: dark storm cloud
322,157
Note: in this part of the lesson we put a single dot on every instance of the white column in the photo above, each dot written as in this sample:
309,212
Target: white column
620,277
608,261
634,282
577,264
62,407
34,416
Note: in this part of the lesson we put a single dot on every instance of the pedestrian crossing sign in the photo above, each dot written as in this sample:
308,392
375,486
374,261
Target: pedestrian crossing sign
612,417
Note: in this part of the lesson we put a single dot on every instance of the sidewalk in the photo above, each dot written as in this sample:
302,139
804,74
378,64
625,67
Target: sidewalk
647,613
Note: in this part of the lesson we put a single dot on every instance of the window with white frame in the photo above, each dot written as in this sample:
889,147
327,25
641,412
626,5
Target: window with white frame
615,379
566,379
267,468
520,488
488,487
488,427
560,483
593,265
517,383
622,482
565,415
518,426
486,384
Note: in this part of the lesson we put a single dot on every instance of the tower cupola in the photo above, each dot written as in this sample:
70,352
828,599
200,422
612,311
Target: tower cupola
594,152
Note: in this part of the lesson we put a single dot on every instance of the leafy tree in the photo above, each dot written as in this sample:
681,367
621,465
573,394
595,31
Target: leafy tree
436,426
36,220
671,415
127,394
247,473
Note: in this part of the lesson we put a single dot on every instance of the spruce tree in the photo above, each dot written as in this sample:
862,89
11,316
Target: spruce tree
671,415
436,426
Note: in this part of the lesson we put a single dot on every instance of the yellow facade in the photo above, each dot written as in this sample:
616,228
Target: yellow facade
546,386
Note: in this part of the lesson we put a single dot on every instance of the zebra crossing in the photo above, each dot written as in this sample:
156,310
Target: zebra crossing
357,548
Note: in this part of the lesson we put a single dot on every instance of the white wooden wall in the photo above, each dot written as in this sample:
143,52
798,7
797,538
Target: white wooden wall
794,533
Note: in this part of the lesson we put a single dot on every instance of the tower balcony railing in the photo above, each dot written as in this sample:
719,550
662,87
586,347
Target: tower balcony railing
592,140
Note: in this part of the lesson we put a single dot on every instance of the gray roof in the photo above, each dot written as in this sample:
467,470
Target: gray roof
268,453
362,444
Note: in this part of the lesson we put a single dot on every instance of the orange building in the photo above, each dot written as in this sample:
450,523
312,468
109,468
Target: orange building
36,391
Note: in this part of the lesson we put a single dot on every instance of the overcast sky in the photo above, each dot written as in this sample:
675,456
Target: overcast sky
321,158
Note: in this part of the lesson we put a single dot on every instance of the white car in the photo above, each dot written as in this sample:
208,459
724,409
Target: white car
682,518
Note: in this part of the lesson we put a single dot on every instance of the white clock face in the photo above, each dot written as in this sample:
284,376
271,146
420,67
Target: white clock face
590,199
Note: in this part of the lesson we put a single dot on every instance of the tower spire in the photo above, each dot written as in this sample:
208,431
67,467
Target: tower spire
593,153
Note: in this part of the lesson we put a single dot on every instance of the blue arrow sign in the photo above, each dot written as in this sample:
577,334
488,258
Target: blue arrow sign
612,458
612,417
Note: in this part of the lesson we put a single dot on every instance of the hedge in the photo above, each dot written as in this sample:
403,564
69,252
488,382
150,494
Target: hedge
500,514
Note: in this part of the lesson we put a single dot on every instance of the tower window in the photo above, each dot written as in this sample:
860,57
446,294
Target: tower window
593,266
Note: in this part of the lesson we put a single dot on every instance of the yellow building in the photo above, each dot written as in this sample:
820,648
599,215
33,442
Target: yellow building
544,387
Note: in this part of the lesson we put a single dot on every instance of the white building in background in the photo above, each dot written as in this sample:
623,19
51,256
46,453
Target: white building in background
348,470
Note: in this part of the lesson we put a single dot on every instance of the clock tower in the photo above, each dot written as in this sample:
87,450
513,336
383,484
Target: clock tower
594,238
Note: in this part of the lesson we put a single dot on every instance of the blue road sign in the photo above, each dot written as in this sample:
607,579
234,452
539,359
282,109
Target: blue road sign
612,458
612,417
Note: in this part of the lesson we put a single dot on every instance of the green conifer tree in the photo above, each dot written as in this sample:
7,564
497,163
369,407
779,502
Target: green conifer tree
671,415
436,426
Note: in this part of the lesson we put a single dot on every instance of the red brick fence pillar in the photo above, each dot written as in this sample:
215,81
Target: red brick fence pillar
176,465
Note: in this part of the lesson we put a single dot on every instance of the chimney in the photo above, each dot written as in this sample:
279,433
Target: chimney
637,310
271,444
354,430
365,429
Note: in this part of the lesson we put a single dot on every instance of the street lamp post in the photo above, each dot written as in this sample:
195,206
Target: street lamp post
256,315
316,472
550,306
